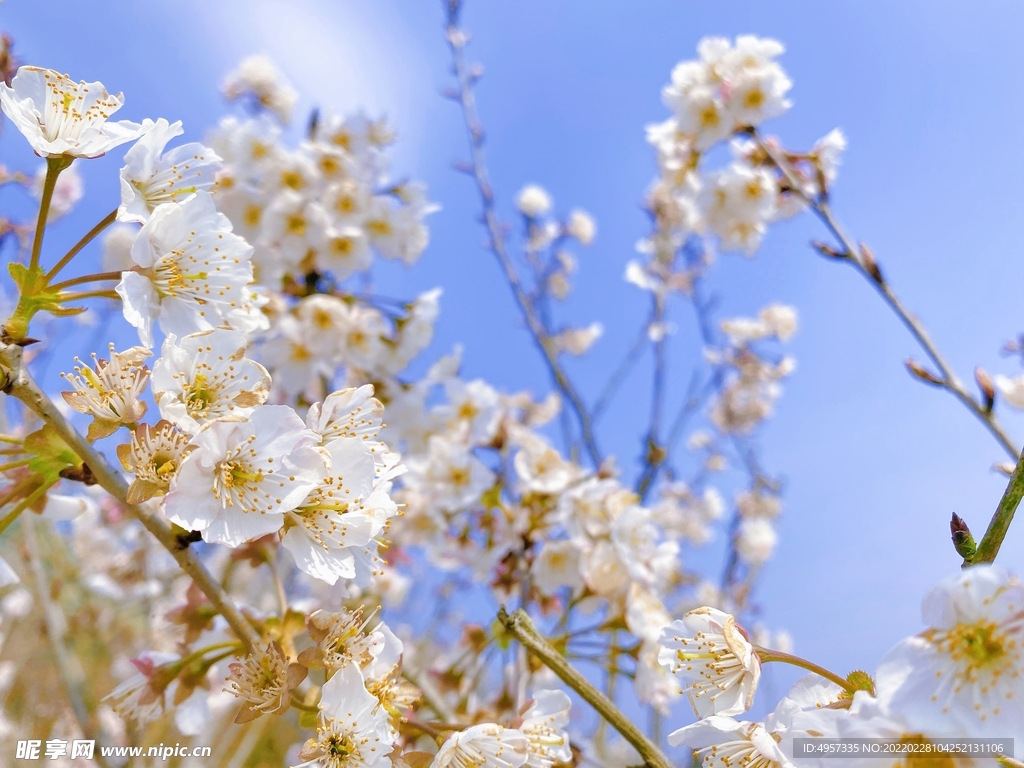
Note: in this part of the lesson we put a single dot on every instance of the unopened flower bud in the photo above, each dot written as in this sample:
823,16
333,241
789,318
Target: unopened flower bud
921,372
870,265
988,389
827,250
963,541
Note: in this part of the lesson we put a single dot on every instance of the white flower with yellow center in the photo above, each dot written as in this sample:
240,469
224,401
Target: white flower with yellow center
450,474
867,719
342,638
351,413
264,681
362,332
484,746
544,726
557,565
539,467
396,232
206,376
332,533
348,202
352,728
249,146
61,117
153,456
295,368
474,406
295,226
323,318
345,252
191,270
111,392
721,742
151,177
244,475
707,650
964,676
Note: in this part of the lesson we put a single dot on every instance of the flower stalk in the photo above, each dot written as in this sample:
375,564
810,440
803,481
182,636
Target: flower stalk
54,166
766,655
86,239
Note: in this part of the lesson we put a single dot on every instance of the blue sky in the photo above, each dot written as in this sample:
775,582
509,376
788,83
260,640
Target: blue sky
931,100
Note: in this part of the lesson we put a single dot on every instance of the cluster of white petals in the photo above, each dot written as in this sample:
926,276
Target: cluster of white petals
962,677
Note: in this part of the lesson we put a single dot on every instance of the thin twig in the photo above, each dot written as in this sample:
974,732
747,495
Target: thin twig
655,454
854,255
521,628
620,373
431,696
496,234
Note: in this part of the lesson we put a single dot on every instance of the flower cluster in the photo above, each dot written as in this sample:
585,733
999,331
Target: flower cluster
319,211
724,95
961,677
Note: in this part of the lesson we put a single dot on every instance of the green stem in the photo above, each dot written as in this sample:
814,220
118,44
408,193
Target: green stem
94,278
521,628
54,165
990,543
103,294
24,504
766,655
86,239
302,706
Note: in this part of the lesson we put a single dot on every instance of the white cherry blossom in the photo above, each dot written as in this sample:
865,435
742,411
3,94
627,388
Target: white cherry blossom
483,746
533,201
190,273
544,725
151,177
964,675
352,730
206,376
259,78
61,117
243,475
722,742
332,533
112,391
707,650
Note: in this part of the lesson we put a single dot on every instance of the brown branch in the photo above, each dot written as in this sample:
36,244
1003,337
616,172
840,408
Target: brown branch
18,383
